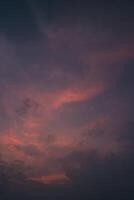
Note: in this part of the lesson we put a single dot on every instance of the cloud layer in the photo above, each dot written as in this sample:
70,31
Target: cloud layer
66,106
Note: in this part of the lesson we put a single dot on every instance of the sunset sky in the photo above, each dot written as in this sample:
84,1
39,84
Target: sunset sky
66,100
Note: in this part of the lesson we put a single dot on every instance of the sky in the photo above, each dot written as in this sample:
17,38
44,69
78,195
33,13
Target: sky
66,100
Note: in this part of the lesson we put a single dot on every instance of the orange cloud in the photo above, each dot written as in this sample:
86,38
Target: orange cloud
59,178
76,95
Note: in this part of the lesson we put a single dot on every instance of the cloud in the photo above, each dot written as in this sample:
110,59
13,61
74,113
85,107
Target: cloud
103,177
28,149
59,178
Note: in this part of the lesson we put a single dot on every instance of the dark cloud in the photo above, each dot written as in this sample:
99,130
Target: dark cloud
127,137
11,173
102,178
27,106
28,149
92,177
127,81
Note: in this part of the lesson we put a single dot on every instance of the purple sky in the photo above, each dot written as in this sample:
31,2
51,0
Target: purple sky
66,106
